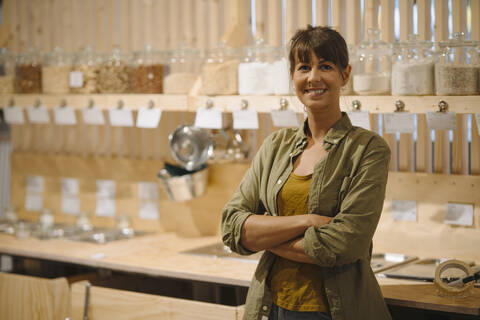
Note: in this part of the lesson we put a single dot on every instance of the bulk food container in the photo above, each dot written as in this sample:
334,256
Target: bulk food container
147,71
7,72
220,71
56,72
181,71
255,71
84,74
114,73
28,72
280,74
457,67
372,71
413,68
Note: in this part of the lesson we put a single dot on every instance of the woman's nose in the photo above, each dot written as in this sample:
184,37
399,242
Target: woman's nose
314,75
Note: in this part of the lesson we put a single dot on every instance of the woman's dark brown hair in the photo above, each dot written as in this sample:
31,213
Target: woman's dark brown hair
325,42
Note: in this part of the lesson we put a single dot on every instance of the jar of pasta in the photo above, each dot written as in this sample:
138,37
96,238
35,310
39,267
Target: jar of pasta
114,73
457,68
28,72
147,71
56,72
7,72
84,74
372,71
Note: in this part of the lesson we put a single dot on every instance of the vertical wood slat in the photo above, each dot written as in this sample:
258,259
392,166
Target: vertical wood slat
100,41
260,20
475,9
338,16
189,23
387,20
9,24
90,25
67,26
475,148
406,19
160,23
213,26
136,19
459,16
423,146
441,20
321,11
200,24
124,37
291,21
460,146
304,17
22,25
371,15
353,22
424,21
36,19
79,17
148,22
274,23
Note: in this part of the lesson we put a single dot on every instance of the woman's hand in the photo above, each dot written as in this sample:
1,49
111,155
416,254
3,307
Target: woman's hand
316,220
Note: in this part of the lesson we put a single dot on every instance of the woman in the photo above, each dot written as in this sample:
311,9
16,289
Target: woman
312,199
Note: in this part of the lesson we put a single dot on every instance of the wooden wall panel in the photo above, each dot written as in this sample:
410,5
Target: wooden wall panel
406,18
387,20
424,19
274,27
475,148
475,9
322,10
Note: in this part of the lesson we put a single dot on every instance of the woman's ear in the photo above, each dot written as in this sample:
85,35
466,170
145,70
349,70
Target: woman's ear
346,74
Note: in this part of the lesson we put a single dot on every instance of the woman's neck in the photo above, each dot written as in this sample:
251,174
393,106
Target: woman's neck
320,122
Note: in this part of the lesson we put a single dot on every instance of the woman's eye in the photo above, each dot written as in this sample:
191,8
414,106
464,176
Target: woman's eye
325,67
303,67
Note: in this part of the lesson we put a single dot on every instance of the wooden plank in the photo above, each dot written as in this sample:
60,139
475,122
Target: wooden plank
424,20
23,25
67,26
291,17
441,20
422,150
392,142
322,10
354,32
201,22
460,146
239,31
475,148
9,39
148,21
36,22
274,23
406,19
189,22
387,20
475,10
304,17
370,15
260,19
338,16
406,153
79,16
459,16
122,24
100,32
213,25
90,28
136,25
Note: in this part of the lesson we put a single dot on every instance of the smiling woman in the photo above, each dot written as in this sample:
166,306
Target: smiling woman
322,188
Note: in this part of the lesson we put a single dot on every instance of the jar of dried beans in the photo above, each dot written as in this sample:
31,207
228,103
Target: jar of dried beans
28,72
147,71
84,74
56,72
114,73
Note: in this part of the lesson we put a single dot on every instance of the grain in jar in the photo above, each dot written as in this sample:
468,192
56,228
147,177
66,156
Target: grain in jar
84,74
114,74
147,71
56,72
179,83
220,72
254,71
182,70
7,71
28,72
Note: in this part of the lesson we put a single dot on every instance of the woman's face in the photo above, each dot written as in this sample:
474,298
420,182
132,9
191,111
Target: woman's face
318,83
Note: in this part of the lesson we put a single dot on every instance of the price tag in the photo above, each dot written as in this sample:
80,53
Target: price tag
402,122
394,257
148,117
459,214
34,201
6,263
105,207
70,205
477,117
35,184
106,188
76,79
38,114
245,119
93,116
121,117
64,116
208,118
148,210
442,120
360,118
284,118
14,115
69,186
404,210
148,190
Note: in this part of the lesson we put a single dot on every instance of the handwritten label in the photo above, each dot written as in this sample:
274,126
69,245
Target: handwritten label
459,214
401,122
148,210
93,116
121,117
64,116
245,119
14,115
208,118
148,117
404,210
360,118
442,120
38,114
284,118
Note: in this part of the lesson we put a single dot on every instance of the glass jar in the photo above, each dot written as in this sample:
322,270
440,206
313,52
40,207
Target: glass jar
280,73
372,72
84,74
182,70
7,72
254,72
56,72
114,73
147,71
347,89
456,69
220,71
28,72
413,68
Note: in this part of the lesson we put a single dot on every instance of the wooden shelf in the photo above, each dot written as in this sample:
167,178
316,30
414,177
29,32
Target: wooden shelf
263,104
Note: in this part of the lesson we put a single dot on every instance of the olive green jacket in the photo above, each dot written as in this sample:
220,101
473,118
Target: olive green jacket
347,184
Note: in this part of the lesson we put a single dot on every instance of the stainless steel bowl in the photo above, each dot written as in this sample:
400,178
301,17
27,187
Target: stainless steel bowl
184,187
190,146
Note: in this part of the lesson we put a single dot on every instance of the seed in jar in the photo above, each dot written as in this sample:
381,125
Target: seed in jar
147,78
55,79
28,78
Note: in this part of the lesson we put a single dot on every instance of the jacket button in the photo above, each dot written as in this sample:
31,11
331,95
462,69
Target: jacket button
279,181
265,308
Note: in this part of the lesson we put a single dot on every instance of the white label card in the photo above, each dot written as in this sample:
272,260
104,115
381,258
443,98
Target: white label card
477,117
404,210
459,214
245,119
106,189
284,118
69,186
93,116
148,190
76,79
402,122
38,114
148,210
208,118
64,116
442,120
34,201
105,207
35,184
14,115
121,117
70,205
360,118
148,117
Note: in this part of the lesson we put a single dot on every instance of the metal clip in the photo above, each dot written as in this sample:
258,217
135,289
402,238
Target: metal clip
399,106
442,106
283,104
37,103
91,103
63,103
209,104
244,104
120,104
151,104
356,105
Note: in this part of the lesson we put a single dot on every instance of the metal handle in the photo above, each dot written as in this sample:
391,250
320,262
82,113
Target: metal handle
442,106
283,104
356,105
87,301
244,104
399,106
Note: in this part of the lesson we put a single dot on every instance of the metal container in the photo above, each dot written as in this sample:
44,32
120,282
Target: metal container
184,187
190,146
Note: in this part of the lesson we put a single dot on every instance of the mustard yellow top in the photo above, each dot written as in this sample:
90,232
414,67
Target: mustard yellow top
297,286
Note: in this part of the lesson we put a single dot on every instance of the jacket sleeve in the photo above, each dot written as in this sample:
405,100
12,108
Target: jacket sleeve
245,202
349,235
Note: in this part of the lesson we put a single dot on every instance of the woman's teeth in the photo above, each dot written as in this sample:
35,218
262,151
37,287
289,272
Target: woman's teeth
319,91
